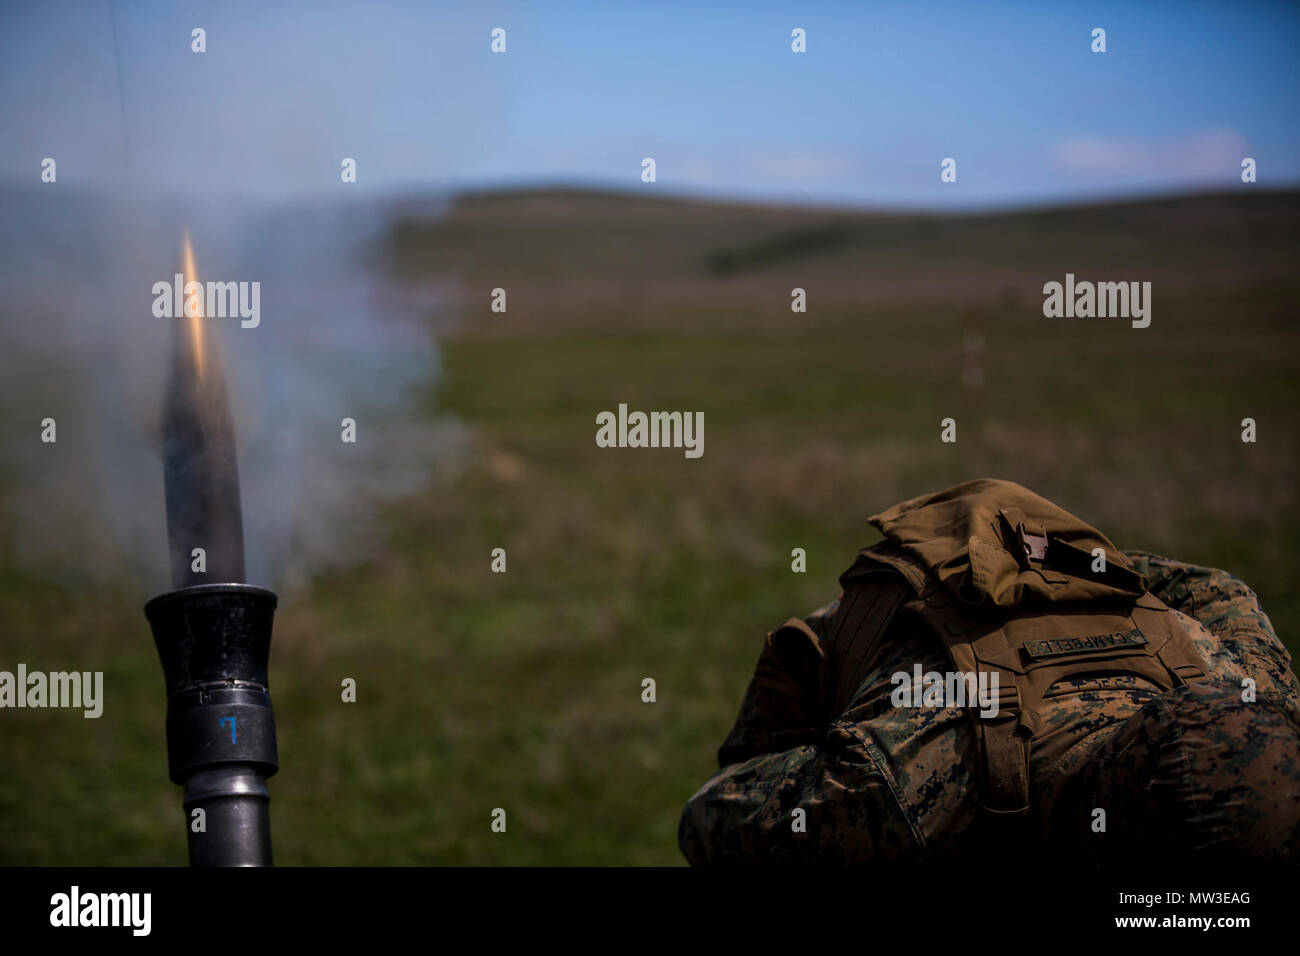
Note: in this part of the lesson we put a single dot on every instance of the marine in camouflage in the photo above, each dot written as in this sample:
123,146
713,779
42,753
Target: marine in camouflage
1208,768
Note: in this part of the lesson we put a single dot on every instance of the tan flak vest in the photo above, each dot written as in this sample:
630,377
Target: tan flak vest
1006,580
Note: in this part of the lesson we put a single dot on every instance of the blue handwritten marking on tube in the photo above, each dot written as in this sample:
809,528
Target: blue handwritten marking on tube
232,726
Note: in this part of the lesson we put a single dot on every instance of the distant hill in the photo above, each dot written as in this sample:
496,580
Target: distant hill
556,238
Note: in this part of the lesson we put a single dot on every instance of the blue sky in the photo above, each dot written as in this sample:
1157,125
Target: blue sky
712,91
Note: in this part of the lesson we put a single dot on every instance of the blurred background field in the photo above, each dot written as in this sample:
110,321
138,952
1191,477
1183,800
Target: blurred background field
522,690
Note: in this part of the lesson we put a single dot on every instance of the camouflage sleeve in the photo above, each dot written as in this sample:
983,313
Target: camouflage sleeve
1231,612
1215,598
792,791
827,804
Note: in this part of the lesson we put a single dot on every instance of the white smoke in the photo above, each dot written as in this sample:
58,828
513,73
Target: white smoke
338,339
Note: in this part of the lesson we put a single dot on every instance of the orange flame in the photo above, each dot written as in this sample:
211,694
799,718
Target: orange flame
196,321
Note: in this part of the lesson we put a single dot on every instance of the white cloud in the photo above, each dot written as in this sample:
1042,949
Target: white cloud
1201,154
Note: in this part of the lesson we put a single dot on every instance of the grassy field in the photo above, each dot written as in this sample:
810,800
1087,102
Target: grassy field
522,690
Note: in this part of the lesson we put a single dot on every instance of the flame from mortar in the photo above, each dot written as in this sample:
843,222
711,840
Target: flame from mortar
200,467
191,272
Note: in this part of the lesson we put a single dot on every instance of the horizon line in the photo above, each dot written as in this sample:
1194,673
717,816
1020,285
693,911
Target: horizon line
451,192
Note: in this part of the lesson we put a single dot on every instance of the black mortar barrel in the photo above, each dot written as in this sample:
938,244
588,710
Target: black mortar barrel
214,641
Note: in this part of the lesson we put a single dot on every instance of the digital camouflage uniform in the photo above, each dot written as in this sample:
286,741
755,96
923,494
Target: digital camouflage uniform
1193,771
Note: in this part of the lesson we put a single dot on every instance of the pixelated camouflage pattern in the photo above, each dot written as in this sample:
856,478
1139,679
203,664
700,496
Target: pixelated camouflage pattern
1236,638
1198,772
885,783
